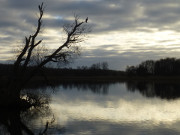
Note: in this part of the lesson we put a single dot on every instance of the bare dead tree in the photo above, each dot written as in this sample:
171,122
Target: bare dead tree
74,32
74,35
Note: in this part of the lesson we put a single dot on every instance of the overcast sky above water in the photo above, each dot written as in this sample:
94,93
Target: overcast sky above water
124,32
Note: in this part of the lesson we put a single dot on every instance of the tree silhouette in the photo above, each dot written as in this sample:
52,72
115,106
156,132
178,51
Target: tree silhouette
20,75
162,67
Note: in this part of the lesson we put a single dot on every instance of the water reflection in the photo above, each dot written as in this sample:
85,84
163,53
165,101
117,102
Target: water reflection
97,108
152,89
98,88
111,128
149,89
120,111
155,89
36,120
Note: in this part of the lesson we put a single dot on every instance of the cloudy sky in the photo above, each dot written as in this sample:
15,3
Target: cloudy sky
124,32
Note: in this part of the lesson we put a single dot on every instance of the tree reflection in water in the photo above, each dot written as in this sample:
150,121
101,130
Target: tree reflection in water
163,90
21,121
95,87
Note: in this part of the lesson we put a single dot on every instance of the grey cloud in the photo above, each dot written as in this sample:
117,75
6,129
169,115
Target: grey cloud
119,60
19,18
22,4
127,14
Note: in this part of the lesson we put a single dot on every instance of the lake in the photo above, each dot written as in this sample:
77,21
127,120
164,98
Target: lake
122,108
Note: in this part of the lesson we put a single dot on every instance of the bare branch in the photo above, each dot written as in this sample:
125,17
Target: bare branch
20,57
74,35
38,43
73,32
33,44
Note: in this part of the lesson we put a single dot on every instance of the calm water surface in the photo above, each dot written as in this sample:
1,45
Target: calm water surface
131,108
120,108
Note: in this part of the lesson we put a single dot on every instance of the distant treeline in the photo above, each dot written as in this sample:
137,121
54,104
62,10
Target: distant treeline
99,69
162,67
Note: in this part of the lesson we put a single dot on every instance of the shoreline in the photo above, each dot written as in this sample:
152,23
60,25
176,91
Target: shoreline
103,78
109,78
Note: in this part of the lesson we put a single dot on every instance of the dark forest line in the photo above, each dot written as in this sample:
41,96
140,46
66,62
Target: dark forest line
163,69
7,69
